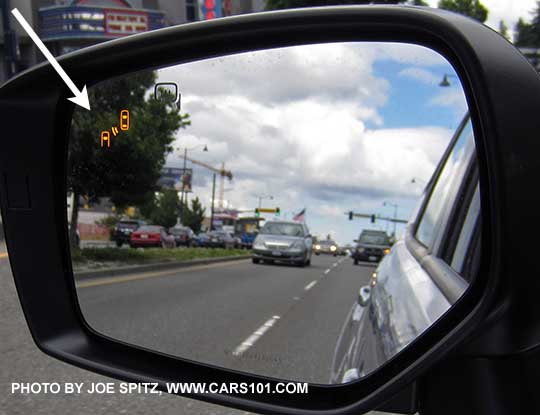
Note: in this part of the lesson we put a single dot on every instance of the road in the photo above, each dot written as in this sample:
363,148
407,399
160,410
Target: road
21,361
216,313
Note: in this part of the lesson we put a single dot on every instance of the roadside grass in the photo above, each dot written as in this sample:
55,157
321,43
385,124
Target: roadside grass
146,255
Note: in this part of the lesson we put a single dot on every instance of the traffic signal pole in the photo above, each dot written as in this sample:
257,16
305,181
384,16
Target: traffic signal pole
373,217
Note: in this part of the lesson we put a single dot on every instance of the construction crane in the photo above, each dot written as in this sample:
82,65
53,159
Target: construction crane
222,173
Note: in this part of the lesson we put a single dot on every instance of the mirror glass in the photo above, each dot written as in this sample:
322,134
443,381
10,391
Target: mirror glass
248,211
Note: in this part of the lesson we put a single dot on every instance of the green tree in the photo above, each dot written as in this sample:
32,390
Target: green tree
528,34
161,208
129,169
193,216
503,29
471,8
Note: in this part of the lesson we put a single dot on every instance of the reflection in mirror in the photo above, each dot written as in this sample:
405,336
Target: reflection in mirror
260,227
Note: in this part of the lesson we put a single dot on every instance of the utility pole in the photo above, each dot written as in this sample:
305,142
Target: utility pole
213,198
395,206
183,189
261,197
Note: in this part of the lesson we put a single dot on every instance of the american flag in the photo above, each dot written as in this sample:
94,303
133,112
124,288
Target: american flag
300,216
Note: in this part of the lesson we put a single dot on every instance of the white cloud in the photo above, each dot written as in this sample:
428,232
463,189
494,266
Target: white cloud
453,97
421,75
305,124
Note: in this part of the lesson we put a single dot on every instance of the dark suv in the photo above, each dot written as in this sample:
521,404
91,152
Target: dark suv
124,229
371,246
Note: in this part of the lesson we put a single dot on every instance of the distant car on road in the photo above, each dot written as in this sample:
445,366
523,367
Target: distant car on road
150,235
221,239
371,246
183,235
123,230
283,241
326,246
201,240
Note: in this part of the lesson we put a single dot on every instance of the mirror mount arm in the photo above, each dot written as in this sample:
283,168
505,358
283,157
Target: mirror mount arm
404,402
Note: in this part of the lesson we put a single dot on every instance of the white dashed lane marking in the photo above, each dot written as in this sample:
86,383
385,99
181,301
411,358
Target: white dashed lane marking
257,334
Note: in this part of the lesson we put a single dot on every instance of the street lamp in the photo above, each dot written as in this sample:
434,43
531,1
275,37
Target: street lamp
445,82
395,206
261,197
181,216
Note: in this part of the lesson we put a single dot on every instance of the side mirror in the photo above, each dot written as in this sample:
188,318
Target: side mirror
66,323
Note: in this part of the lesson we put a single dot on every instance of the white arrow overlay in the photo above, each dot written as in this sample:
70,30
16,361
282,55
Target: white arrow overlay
81,97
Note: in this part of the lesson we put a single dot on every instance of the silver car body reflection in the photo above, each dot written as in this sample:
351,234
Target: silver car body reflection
403,303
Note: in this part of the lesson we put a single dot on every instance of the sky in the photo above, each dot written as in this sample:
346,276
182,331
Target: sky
330,128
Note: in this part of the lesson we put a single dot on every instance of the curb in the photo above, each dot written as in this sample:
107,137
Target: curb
111,272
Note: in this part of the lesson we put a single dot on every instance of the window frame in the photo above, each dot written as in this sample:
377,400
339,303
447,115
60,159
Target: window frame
446,214
451,283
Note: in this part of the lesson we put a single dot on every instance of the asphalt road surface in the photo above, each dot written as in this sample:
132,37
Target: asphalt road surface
216,313
21,361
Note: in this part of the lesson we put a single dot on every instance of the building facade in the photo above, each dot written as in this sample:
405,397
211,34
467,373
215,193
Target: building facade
68,25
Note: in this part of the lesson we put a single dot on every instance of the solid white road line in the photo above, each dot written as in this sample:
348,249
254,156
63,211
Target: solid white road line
310,285
257,334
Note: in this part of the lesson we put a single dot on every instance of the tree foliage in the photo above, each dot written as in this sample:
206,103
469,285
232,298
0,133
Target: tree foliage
503,29
129,169
528,34
471,8
193,215
162,208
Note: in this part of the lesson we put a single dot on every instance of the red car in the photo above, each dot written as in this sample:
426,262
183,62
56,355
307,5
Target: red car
150,235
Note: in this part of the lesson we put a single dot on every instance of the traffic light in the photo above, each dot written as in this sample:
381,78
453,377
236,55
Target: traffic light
372,218
278,211
350,215
257,213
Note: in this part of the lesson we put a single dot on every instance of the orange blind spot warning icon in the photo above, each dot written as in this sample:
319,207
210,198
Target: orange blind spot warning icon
105,139
124,120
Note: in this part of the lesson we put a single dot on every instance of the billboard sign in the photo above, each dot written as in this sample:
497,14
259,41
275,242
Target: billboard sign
175,178
122,22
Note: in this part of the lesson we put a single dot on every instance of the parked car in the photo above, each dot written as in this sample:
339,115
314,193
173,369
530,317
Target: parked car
283,241
123,230
150,235
183,235
326,246
202,239
371,246
221,239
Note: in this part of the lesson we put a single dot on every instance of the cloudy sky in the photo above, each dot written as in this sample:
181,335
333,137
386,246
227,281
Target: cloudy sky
329,128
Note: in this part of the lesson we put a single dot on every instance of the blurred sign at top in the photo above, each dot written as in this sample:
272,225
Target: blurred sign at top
210,9
92,20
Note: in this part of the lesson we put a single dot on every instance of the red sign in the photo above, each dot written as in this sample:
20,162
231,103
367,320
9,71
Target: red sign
122,22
